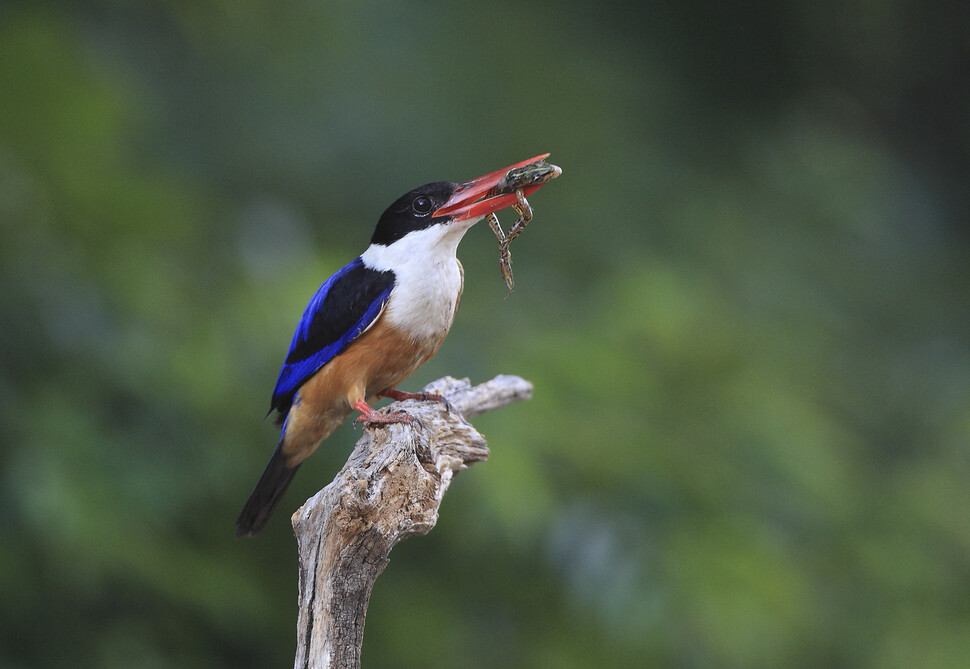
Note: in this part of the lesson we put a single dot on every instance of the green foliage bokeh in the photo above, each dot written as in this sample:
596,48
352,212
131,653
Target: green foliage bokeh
744,307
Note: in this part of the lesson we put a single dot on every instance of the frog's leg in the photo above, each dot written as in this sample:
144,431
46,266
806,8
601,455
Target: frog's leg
496,227
504,256
524,210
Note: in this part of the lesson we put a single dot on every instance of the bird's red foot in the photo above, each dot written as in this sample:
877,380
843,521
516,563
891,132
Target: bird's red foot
399,395
368,415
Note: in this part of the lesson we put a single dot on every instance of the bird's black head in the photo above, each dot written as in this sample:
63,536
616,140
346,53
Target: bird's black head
413,211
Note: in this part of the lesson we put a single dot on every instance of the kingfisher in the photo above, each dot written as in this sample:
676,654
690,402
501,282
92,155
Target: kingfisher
372,324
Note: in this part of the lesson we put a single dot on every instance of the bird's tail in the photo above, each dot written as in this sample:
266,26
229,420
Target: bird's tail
266,495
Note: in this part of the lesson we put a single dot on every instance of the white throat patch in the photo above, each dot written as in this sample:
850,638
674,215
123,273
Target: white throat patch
428,278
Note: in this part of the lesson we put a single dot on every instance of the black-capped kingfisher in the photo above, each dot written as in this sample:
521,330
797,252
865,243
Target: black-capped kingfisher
372,324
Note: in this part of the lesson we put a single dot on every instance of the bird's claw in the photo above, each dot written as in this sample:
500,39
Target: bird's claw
440,399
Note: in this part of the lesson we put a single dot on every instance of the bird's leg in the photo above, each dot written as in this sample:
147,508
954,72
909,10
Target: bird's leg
369,415
400,395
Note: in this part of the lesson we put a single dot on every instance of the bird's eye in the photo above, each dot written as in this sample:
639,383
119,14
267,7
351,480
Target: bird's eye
422,205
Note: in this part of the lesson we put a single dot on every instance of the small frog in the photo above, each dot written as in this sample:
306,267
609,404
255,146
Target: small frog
533,174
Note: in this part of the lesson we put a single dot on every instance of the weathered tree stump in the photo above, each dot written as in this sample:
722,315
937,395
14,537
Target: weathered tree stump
390,489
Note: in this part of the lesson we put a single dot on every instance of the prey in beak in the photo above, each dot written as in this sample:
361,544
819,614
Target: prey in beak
497,190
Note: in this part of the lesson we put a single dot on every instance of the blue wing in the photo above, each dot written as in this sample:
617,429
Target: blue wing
341,309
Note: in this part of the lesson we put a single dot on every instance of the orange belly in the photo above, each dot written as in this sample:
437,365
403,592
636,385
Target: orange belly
377,360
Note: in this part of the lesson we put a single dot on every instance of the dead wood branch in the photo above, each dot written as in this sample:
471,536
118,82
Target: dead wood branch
390,489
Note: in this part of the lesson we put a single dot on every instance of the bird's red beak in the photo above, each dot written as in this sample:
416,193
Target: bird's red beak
465,202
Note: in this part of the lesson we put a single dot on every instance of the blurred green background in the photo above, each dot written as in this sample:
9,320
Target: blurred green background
744,307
